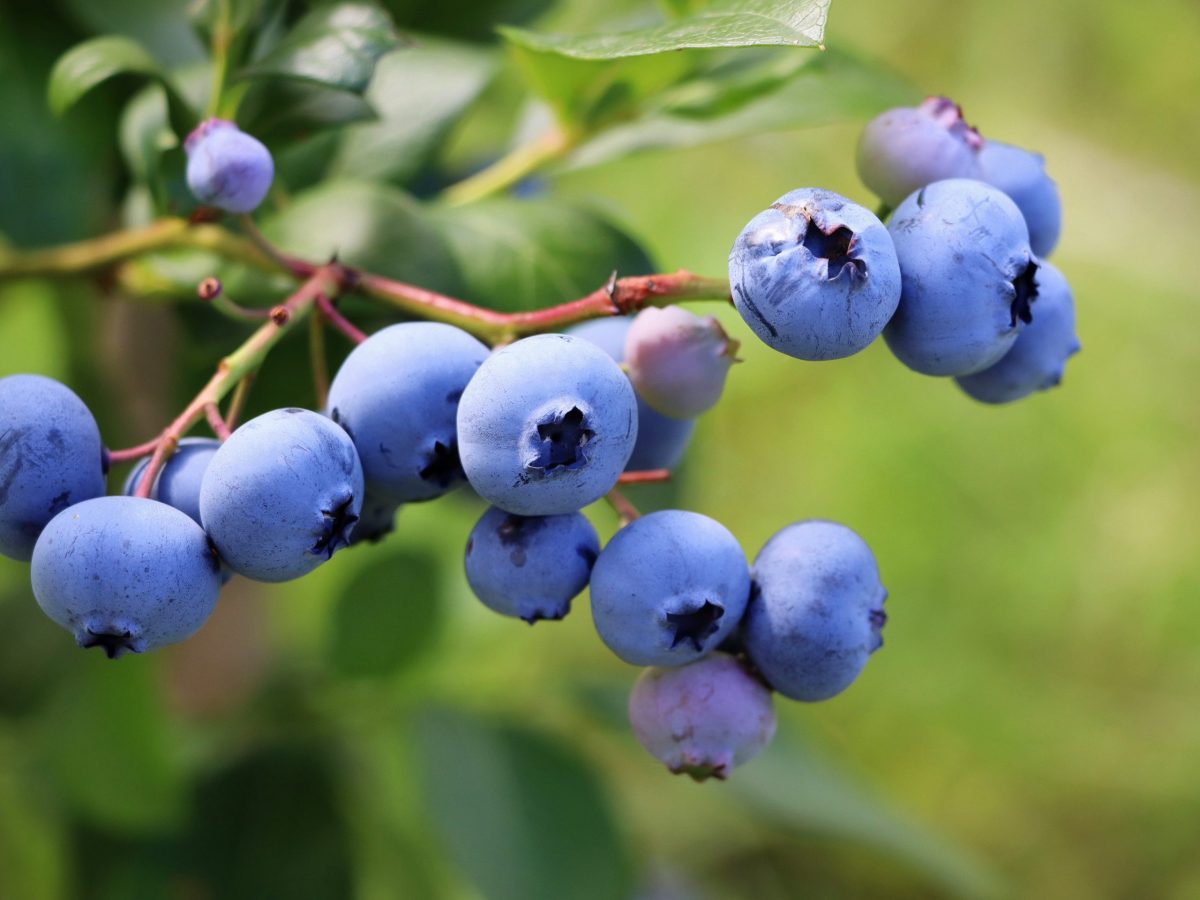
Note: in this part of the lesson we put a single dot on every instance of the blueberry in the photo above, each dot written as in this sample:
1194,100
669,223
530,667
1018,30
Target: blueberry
397,397
377,519
907,148
816,611
669,588
546,425
178,482
1022,175
125,574
703,719
661,440
50,457
968,277
677,361
282,495
530,567
815,275
1039,355
226,167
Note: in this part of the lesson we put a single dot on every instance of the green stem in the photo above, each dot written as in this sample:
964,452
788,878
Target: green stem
222,37
88,256
509,169
243,361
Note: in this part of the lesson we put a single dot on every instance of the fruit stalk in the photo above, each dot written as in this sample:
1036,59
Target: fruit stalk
240,363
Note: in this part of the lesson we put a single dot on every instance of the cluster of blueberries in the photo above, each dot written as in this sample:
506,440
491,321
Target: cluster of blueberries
544,426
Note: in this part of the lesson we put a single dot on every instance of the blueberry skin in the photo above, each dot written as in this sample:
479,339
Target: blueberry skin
125,574
703,719
967,275
661,440
397,395
50,457
816,611
669,588
1022,175
815,276
178,482
530,567
282,495
1039,356
546,425
377,519
226,167
906,148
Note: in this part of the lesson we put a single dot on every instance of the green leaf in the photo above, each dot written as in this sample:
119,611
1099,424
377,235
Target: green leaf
731,23
279,112
161,26
418,93
516,254
522,816
369,225
336,46
144,134
824,88
790,787
110,746
88,64
388,614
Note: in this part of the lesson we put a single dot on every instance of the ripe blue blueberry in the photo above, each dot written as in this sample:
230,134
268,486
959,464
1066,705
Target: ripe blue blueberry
1039,355
815,275
1022,175
50,457
968,277
669,588
677,361
703,719
816,610
907,148
397,395
178,482
282,495
661,440
125,574
530,567
546,425
226,167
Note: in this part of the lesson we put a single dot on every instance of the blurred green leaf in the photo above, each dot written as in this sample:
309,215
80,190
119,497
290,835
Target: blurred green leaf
786,92
111,747
88,64
278,112
336,46
418,93
797,790
516,254
726,23
270,826
524,817
369,225
161,26
388,614
145,136
33,858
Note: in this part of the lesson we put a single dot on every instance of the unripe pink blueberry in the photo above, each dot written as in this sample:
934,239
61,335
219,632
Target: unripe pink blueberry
677,361
906,148
703,719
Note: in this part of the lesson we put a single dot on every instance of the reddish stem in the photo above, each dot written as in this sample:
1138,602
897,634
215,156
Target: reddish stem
220,428
626,511
645,476
338,321
131,453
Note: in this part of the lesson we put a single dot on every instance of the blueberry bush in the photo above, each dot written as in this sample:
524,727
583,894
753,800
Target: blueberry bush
378,281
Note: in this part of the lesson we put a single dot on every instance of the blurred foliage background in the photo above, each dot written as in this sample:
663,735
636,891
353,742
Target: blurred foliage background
372,731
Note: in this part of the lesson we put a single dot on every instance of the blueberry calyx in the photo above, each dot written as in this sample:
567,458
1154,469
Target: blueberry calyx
115,642
443,467
696,625
1026,291
336,527
562,441
836,247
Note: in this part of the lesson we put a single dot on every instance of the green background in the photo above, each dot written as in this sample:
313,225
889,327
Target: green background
1029,729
